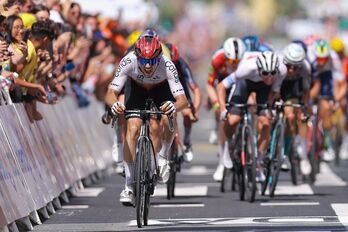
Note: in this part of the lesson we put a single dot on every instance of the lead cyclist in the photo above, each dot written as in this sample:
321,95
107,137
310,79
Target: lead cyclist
146,73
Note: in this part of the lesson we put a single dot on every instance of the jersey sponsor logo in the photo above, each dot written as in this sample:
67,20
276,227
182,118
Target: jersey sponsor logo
123,63
114,84
171,67
140,77
177,91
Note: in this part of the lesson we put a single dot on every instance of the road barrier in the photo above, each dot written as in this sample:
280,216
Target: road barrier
39,161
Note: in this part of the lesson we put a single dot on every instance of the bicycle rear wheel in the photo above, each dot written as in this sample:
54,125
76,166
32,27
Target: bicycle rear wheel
313,155
140,180
277,158
249,168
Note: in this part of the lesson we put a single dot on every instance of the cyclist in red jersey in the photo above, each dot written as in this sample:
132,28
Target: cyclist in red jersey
224,62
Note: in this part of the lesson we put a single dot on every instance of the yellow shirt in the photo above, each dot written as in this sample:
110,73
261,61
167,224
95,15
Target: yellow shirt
165,51
28,72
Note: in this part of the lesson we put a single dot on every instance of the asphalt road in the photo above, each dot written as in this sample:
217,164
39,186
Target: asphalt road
200,206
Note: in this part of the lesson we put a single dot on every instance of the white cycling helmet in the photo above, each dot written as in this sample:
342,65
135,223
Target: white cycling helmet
267,62
294,54
234,48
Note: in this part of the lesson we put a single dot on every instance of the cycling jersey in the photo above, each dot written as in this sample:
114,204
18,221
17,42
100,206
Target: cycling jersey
328,74
186,78
248,70
218,69
165,71
293,87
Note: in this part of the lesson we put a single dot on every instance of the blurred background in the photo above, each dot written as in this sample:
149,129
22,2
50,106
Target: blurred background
199,27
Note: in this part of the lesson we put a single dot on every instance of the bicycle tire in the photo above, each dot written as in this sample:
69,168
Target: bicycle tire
149,155
313,150
249,171
267,171
172,173
294,161
277,158
222,183
140,187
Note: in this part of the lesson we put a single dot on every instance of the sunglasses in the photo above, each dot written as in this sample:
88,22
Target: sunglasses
233,61
144,61
265,73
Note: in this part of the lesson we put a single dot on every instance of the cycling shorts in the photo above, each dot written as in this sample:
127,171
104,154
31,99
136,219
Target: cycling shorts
136,95
291,89
241,91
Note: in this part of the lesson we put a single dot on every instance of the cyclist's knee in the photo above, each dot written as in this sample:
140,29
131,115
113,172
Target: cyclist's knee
264,123
233,120
133,128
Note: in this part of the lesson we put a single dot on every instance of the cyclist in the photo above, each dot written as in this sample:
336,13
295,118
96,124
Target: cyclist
190,114
253,44
295,89
261,73
338,46
146,73
329,82
224,62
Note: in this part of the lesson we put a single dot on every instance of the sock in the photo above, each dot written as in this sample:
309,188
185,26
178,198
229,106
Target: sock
129,173
187,136
165,149
221,153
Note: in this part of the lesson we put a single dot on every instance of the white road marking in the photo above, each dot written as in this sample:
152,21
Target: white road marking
289,203
287,188
197,171
178,205
90,192
196,190
245,221
341,211
287,220
75,207
327,177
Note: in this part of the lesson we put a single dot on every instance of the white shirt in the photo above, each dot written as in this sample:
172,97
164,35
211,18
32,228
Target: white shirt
165,71
247,69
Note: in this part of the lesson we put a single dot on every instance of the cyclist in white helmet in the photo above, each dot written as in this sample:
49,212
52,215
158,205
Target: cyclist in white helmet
263,74
224,62
295,89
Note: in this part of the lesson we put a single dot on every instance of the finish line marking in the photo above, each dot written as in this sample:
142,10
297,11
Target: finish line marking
177,205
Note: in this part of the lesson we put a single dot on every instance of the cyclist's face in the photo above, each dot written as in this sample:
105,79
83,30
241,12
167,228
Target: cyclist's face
268,77
233,63
148,65
292,69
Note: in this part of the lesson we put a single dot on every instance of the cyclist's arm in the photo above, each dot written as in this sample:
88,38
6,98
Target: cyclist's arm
192,85
180,102
210,87
340,90
221,91
119,81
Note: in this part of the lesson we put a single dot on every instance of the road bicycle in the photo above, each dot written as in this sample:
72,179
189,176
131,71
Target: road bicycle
146,168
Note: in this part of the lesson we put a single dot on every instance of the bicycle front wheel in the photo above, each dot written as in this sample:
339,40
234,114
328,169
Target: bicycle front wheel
249,166
140,180
277,158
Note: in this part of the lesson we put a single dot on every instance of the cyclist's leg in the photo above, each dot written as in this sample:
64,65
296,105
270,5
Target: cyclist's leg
290,132
325,109
301,144
188,154
117,147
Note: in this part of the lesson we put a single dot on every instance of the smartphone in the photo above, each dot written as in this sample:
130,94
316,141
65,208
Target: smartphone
26,35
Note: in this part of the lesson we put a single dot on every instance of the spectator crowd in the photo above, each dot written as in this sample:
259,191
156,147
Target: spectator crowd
50,49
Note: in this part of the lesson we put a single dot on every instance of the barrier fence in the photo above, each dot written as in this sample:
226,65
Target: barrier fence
40,160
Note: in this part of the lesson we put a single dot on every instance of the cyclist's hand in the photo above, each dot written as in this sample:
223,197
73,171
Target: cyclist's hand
168,108
223,115
117,108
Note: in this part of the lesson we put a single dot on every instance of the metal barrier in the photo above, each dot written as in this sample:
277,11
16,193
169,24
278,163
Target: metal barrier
40,160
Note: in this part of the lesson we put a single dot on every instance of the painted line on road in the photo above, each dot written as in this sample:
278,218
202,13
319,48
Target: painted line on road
327,177
289,203
341,211
247,221
75,207
198,190
178,205
197,171
287,188
90,192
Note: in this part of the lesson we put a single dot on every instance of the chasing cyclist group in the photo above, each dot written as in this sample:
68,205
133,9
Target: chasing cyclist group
244,70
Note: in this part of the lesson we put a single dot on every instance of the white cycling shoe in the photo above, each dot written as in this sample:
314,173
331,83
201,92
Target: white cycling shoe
127,197
164,170
305,167
218,174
